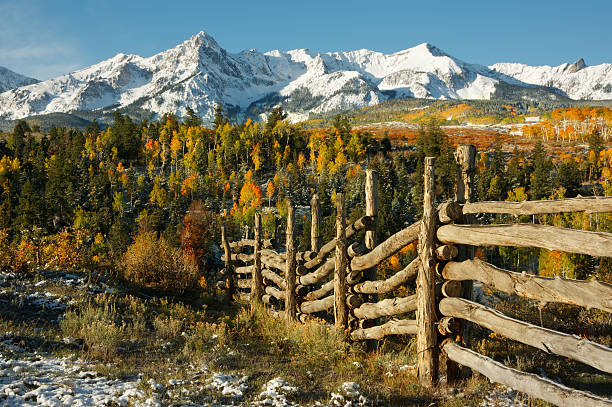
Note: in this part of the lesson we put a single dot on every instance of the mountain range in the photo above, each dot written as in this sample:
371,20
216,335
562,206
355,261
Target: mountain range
200,74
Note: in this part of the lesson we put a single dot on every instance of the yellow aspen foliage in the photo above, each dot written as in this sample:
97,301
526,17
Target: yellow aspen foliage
250,196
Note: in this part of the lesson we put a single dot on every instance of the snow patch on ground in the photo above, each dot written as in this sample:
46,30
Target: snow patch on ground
275,393
47,381
228,385
348,395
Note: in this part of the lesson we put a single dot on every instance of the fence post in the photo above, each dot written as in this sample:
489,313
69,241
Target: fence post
341,263
371,209
315,228
464,192
257,281
290,300
229,282
427,352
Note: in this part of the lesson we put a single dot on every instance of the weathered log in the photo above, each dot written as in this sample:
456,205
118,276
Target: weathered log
290,277
393,327
321,292
257,278
427,358
353,277
244,269
355,249
528,383
365,222
590,294
250,242
273,261
392,283
315,224
353,301
270,300
243,283
229,278
275,292
449,212
449,325
319,274
591,204
451,289
240,257
387,248
386,308
275,278
446,252
305,256
341,264
246,297
310,307
571,346
301,290
526,235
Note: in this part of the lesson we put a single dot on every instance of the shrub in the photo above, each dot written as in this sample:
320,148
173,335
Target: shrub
96,324
152,262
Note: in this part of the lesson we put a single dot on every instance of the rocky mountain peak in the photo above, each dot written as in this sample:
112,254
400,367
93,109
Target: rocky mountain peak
576,66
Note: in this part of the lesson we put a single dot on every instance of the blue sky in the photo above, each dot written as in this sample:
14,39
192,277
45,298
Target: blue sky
44,38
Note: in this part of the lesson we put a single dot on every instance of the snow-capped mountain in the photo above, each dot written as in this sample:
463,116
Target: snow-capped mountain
577,80
10,80
199,74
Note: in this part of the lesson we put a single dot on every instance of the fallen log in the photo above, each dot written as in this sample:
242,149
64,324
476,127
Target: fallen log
321,292
246,297
526,235
386,308
392,283
365,222
310,307
589,294
591,204
387,248
571,346
275,278
528,383
393,327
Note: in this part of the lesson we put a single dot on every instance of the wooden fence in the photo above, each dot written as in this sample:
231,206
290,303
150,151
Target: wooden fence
343,277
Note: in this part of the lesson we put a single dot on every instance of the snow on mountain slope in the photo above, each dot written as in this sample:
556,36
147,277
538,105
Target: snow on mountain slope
577,80
10,80
199,74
